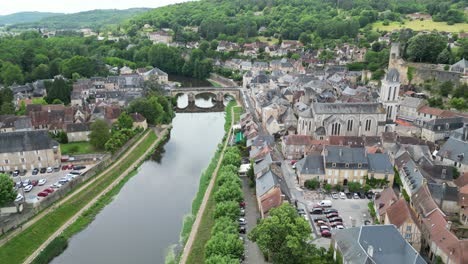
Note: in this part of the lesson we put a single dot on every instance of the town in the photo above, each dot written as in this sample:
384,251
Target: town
343,151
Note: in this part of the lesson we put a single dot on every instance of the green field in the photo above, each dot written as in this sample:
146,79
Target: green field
422,25
237,113
77,148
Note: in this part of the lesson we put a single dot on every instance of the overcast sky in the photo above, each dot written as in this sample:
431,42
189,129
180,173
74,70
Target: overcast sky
73,6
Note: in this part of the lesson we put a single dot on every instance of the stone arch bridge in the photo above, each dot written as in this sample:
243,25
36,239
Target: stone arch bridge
218,92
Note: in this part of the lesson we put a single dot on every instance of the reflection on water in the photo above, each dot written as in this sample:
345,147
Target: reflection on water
204,100
189,82
146,216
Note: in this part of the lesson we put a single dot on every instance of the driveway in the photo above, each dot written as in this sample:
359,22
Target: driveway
252,252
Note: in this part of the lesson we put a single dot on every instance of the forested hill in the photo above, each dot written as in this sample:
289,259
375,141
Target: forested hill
25,17
94,19
289,18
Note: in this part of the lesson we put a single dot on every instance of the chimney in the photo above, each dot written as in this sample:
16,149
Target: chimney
341,152
370,251
325,152
444,173
448,225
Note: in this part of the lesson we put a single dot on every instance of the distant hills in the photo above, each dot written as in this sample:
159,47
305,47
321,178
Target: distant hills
94,19
25,17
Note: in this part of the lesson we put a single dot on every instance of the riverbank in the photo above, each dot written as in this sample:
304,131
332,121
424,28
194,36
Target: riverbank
192,222
37,235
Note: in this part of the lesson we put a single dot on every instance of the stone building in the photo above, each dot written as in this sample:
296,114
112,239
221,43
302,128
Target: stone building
26,150
389,93
346,119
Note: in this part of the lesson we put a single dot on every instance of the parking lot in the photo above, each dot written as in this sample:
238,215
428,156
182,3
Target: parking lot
51,178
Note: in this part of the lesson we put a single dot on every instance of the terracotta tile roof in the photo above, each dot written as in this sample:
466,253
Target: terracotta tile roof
430,110
462,180
383,202
445,239
399,212
463,197
298,140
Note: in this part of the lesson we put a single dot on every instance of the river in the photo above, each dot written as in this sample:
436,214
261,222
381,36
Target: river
145,218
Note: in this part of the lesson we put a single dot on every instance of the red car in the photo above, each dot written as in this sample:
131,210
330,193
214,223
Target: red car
330,215
34,182
293,162
242,204
325,233
49,190
43,194
65,167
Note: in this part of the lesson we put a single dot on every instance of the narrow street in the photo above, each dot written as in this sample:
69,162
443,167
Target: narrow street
252,252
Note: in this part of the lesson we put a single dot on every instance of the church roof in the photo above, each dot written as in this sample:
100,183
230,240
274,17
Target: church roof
348,108
393,75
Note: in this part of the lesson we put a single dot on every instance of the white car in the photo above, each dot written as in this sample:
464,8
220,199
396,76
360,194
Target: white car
41,182
28,188
339,227
50,169
71,176
19,198
242,221
356,196
342,195
334,195
26,183
56,185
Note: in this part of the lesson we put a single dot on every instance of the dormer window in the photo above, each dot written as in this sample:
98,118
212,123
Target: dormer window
359,165
347,165
333,165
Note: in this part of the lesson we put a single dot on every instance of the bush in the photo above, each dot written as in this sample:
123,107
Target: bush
228,209
312,184
55,248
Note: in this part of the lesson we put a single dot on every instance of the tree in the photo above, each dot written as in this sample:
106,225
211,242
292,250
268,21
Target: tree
7,192
225,225
99,134
312,184
78,64
426,47
220,259
224,245
125,121
327,187
305,38
284,236
232,158
40,72
58,89
11,73
57,101
458,103
228,193
445,57
228,209
354,186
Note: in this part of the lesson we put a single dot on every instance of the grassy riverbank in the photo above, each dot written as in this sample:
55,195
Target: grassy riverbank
203,185
21,246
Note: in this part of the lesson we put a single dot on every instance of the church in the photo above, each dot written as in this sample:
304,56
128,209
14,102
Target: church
354,119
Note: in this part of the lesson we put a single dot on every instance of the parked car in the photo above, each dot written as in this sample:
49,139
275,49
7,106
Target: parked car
325,233
362,195
28,188
242,212
49,190
63,180
71,176
18,185
336,219
19,198
242,221
15,173
79,167
35,171
43,194
242,230
75,172
26,182
56,185
320,219
370,195
293,162
342,195
349,195
317,210
242,204
334,195
65,167
330,210
301,211
43,170
320,223
41,182
331,215
325,203
324,227
356,196
335,224
34,182
339,227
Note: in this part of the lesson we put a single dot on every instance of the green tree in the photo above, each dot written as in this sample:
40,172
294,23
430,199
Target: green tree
327,187
354,186
99,134
458,103
426,47
125,121
312,184
7,192
220,259
78,64
225,225
228,193
11,73
40,72
445,57
228,209
57,101
7,108
58,89
284,236
224,245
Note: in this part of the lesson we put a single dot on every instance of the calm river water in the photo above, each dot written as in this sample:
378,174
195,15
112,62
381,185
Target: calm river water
145,218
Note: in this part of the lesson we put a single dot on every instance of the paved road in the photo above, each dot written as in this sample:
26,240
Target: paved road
252,252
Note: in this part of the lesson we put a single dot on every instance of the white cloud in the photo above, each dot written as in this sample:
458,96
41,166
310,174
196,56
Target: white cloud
73,6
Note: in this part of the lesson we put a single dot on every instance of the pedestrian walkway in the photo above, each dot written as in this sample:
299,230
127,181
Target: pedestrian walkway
252,252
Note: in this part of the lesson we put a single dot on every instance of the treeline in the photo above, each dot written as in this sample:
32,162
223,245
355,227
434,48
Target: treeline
236,20
30,57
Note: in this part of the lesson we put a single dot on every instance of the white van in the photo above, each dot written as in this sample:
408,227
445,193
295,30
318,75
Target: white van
325,203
